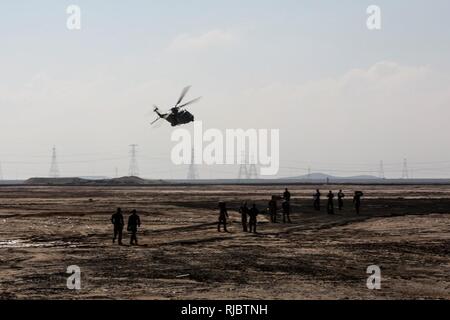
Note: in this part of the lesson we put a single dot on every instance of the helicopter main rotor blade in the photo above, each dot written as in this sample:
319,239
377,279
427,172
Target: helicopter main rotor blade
189,103
183,94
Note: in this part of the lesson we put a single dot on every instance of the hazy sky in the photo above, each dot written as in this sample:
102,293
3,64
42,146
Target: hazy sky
343,97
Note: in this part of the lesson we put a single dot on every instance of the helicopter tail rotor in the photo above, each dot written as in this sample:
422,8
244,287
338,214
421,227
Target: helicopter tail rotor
160,116
155,121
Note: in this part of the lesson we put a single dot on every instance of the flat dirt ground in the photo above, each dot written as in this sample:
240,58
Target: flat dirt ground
405,230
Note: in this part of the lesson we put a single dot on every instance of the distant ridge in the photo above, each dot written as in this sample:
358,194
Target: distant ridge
75,181
313,179
323,176
129,181
54,181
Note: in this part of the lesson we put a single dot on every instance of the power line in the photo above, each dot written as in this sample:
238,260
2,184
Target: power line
243,169
54,169
253,169
192,173
381,170
405,173
133,170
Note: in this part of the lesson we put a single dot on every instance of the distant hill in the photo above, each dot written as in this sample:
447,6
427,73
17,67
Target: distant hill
128,181
11,182
75,181
324,177
315,178
55,181
94,177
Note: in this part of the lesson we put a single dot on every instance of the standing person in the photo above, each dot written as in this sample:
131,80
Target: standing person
117,221
244,211
273,209
357,200
223,215
330,204
134,222
316,198
287,195
253,213
341,197
286,211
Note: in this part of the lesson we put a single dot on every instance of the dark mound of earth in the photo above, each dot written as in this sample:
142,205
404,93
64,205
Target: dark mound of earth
123,181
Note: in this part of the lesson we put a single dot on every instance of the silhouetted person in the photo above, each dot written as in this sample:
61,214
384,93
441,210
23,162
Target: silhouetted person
357,200
244,211
117,221
253,213
273,210
134,222
330,204
223,215
286,211
316,198
341,197
287,195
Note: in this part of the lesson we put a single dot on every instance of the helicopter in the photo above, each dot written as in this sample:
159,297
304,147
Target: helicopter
177,116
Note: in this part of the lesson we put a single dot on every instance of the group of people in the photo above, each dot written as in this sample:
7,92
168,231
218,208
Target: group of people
134,222
330,203
285,206
249,216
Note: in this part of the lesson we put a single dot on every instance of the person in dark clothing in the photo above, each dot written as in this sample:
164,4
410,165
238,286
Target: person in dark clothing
117,221
134,222
287,195
273,209
330,204
341,197
253,213
316,198
223,215
244,211
286,211
357,200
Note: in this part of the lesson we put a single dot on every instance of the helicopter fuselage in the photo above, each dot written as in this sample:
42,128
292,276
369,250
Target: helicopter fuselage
179,117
